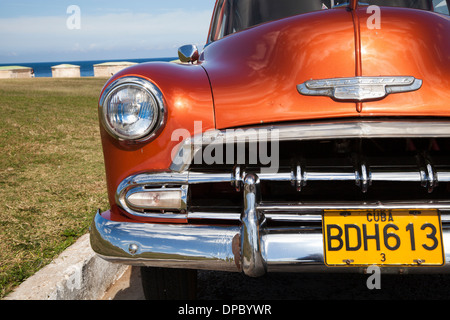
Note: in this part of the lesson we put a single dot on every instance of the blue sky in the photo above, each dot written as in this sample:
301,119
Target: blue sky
44,31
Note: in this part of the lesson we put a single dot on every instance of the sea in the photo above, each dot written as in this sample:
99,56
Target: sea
44,69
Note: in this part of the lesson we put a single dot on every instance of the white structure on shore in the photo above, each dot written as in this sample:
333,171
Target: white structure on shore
12,72
108,69
66,71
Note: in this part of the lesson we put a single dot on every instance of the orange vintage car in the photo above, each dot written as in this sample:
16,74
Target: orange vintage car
305,136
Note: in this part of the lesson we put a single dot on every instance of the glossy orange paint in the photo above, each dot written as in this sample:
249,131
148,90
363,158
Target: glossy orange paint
254,73
408,43
188,98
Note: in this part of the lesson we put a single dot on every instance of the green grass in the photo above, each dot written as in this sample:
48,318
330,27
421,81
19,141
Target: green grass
52,176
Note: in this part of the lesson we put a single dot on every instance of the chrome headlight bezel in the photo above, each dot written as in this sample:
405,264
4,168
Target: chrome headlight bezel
159,108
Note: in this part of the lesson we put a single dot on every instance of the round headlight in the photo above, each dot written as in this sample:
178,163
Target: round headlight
132,108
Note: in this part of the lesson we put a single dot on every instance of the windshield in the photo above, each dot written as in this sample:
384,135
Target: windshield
236,15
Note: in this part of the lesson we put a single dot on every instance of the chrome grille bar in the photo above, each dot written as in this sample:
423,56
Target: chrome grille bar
301,216
407,175
283,211
320,206
362,176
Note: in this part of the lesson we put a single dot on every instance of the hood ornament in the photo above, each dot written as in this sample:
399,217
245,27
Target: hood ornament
359,89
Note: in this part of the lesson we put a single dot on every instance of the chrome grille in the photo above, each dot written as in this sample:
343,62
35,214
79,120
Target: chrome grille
345,165
351,173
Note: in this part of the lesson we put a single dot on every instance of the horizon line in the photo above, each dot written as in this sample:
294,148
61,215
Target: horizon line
59,61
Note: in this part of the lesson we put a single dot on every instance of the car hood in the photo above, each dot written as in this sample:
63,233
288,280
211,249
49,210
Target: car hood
408,43
254,74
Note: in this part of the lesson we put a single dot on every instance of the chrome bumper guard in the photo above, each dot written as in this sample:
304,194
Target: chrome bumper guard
253,247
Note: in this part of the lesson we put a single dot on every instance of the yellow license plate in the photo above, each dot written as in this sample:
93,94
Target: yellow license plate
382,237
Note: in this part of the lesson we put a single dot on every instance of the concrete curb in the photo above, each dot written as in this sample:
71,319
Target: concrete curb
76,274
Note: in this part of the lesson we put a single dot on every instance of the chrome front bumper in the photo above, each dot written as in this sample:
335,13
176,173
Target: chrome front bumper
253,247
211,248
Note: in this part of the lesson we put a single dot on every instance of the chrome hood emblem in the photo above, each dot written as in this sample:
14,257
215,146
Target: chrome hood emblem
359,88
